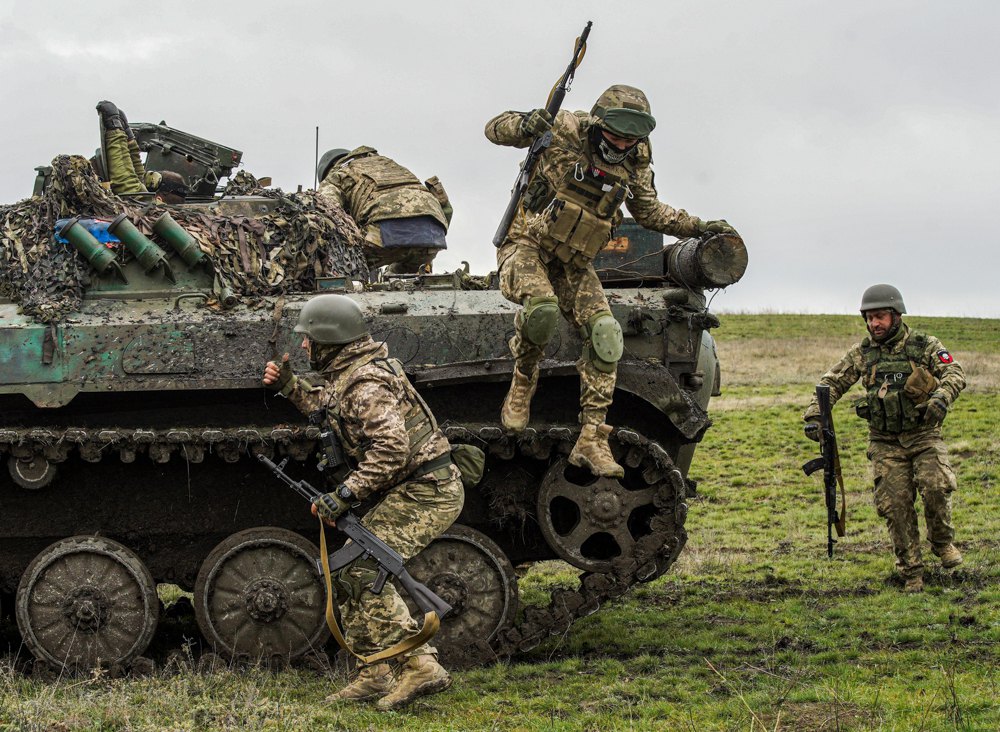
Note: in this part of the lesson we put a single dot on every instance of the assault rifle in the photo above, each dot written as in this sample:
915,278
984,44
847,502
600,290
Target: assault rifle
829,461
365,544
540,143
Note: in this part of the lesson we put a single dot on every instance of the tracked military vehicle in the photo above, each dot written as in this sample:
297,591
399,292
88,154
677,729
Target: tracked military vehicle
130,426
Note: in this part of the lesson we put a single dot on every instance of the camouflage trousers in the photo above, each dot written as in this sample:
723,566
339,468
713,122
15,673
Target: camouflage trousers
528,271
410,517
904,465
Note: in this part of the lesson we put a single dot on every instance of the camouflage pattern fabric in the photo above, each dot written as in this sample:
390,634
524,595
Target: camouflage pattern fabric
372,405
266,255
570,143
413,512
910,462
125,177
526,271
372,188
409,518
901,471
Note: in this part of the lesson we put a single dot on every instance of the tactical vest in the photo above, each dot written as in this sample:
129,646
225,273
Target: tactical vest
889,408
419,422
579,211
391,189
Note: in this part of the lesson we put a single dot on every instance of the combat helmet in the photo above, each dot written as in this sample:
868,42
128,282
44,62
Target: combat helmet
624,111
332,320
882,297
329,158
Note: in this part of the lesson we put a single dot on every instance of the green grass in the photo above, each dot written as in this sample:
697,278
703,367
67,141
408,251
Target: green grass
753,629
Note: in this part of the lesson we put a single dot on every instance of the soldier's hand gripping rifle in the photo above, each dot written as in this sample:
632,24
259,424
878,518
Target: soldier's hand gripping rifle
365,544
829,461
540,143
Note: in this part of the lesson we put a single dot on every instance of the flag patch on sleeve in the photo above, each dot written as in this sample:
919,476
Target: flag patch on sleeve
944,356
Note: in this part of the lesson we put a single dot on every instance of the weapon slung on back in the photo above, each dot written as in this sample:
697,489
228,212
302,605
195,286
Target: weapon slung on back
541,142
829,461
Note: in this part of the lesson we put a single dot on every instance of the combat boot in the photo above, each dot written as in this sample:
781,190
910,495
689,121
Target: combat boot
372,681
914,584
418,676
516,411
951,557
593,452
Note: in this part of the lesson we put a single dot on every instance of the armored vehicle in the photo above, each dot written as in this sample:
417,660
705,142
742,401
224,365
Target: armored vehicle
130,425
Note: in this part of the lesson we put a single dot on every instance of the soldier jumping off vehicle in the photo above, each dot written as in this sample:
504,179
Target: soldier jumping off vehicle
595,163
400,453
124,168
404,220
911,380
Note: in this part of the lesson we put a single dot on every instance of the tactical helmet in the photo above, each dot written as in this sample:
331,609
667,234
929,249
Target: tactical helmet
329,158
332,319
882,297
624,111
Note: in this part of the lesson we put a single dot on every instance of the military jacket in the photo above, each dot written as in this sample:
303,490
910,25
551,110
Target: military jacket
570,174
883,370
373,188
380,419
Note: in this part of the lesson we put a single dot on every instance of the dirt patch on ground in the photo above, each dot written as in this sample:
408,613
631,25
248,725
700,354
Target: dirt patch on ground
818,717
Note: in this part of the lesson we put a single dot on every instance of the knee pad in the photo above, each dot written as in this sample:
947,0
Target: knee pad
606,341
350,581
539,319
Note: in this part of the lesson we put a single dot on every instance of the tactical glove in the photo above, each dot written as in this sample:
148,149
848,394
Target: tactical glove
331,506
128,130
715,227
536,123
286,377
812,429
935,410
110,114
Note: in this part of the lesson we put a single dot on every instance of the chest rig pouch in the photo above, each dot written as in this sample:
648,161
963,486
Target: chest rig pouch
890,406
580,216
418,421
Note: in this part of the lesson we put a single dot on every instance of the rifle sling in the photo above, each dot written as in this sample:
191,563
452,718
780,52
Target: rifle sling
426,632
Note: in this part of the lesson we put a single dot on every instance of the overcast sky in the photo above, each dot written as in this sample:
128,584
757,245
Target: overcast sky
849,142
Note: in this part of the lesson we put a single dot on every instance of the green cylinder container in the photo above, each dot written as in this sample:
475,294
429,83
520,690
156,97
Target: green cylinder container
146,252
182,242
99,256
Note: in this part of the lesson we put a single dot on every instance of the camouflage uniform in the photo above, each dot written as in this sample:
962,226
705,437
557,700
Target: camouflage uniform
374,189
386,429
540,259
907,454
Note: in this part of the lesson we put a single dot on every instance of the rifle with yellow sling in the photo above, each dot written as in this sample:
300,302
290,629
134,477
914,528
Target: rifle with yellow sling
829,461
365,544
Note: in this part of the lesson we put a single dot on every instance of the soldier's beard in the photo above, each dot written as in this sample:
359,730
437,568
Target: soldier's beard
893,329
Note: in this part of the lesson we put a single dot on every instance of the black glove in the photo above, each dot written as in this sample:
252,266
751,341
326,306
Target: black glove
110,114
331,506
716,227
536,123
128,130
935,410
812,429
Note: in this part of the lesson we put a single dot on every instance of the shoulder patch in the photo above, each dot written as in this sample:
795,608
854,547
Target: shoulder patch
944,356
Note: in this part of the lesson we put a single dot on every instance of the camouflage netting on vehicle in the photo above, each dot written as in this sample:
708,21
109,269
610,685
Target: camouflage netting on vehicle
282,251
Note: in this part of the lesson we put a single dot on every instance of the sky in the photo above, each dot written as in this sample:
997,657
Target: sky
849,142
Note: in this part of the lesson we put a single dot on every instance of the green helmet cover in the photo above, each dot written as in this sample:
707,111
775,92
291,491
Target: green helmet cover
329,158
332,319
624,111
882,297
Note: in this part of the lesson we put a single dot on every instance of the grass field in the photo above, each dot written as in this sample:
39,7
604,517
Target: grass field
753,629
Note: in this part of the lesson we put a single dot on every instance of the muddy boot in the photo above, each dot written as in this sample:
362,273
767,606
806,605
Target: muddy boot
418,676
592,451
516,409
914,584
372,682
951,557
